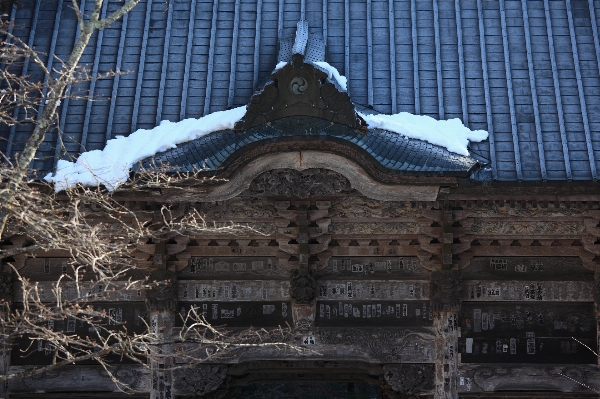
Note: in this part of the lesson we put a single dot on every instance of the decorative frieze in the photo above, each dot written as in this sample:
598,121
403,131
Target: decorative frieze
527,228
295,183
369,228
526,209
364,207
384,344
238,208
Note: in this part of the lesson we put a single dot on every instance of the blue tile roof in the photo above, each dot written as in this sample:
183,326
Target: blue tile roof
218,149
527,71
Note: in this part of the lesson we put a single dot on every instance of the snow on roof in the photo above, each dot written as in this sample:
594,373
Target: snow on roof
450,134
111,165
333,74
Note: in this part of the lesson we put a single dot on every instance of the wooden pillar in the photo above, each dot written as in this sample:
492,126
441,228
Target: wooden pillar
445,302
446,355
6,293
303,283
162,304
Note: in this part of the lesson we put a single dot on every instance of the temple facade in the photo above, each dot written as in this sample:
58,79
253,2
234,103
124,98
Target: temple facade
401,264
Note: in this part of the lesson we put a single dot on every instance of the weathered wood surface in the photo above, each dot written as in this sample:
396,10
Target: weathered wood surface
527,286
527,332
81,379
527,290
385,313
242,314
527,268
518,377
382,267
347,289
234,290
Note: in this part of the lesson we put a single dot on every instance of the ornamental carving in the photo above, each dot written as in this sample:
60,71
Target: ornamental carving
302,184
446,287
490,378
303,288
374,228
300,89
163,293
385,345
409,378
527,228
198,380
239,207
357,207
527,211
365,161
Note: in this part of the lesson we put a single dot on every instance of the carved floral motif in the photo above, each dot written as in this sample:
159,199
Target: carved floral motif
409,378
357,207
527,228
239,207
302,184
374,228
527,211
447,287
385,345
303,288
198,380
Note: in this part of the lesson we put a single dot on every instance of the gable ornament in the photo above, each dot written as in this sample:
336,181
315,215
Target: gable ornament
300,89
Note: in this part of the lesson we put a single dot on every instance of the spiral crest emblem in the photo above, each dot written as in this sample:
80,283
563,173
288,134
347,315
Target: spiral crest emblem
298,85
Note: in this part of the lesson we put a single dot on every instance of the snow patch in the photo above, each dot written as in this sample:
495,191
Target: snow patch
111,165
333,74
280,65
450,134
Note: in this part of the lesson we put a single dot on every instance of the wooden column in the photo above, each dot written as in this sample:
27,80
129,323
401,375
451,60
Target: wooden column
446,355
303,283
162,304
6,293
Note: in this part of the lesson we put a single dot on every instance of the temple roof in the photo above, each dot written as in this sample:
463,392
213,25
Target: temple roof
392,152
526,71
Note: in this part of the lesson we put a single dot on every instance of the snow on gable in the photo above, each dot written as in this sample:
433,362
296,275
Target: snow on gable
111,165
